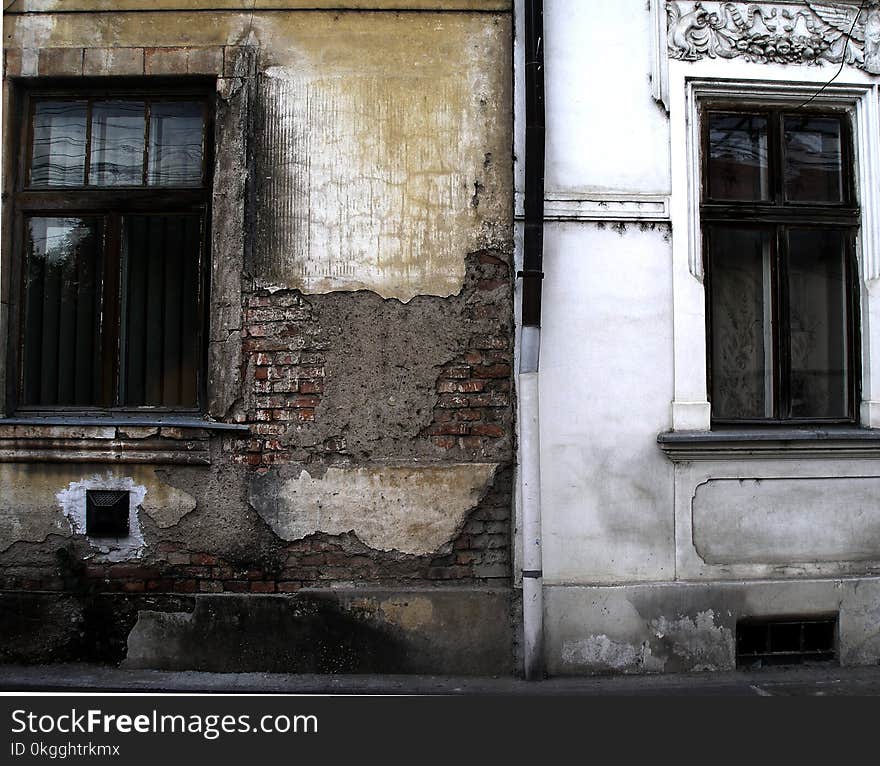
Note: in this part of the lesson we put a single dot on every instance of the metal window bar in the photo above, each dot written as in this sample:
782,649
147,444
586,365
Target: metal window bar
789,641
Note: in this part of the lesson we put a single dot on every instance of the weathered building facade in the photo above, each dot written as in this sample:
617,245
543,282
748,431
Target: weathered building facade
706,415
258,334
257,331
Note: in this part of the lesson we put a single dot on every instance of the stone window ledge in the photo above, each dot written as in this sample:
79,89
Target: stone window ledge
786,443
110,439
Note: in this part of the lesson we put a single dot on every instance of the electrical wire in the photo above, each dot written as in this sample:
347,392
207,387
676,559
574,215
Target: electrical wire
842,58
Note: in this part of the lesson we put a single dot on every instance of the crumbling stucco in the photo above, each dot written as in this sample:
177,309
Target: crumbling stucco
367,182
167,505
380,154
601,653
22,519
39,501
701,642
692,643
72,501
361,330
412,613
411,509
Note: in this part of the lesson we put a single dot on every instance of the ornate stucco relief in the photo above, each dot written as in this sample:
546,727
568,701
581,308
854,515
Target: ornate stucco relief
783,33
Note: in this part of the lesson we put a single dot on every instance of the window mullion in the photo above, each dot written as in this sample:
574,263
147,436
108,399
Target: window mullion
782,344
110,311
779,291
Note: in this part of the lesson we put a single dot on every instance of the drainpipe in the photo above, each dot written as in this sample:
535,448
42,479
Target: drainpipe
530,343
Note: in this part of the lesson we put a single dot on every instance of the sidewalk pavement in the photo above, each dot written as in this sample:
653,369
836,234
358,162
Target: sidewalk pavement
817,680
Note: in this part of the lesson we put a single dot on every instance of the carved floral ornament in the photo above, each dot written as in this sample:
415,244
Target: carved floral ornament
783,33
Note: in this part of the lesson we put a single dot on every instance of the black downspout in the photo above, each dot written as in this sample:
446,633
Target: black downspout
533,228
530,345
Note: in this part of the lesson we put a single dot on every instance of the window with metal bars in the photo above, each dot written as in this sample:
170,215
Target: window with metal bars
112,205
780,218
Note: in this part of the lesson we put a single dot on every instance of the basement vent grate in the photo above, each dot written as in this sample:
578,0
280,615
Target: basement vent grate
107,513
788,641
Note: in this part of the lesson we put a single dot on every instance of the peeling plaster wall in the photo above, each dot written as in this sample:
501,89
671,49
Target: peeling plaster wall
40,501
686,627
360,332
72,501
411,510
372,181
382,138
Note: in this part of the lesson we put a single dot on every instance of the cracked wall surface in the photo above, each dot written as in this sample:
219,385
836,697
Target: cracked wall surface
360,332
677,627
407,509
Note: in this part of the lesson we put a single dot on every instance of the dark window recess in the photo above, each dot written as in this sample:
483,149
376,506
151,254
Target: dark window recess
113,199
790,641
107,513
780,219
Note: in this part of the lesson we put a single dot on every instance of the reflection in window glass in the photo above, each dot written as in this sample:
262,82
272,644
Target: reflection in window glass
742,328
813,168
737,167
117,157
817,318
59,144
62,312
175,157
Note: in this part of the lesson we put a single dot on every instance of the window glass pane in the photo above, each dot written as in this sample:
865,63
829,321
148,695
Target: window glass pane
817,319
741,311
160,310
58,157
62,312
117,157
813,167
737,163
175,157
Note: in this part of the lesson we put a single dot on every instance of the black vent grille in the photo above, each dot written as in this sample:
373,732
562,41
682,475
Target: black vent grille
786,641
107,513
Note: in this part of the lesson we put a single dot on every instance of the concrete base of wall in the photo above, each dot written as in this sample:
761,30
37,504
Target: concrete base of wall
684,627
428,631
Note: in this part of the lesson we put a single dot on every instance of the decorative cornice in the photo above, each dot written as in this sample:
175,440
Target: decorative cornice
781,33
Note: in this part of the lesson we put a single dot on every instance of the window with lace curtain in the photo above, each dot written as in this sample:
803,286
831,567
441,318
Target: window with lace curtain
779,220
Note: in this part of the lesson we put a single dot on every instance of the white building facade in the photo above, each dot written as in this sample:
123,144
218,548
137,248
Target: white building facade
699,453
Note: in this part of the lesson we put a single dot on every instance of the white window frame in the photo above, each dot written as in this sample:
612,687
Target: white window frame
858,94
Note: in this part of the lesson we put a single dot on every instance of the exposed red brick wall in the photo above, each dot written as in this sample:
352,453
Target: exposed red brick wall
479,553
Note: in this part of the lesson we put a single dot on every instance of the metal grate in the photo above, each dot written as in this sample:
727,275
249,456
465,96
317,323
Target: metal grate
788,641
107,513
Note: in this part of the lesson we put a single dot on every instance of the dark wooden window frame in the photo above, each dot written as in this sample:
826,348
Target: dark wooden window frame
111,204
778,216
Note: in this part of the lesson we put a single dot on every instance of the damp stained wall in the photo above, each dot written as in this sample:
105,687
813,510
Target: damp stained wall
361,322
384,151
606,326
